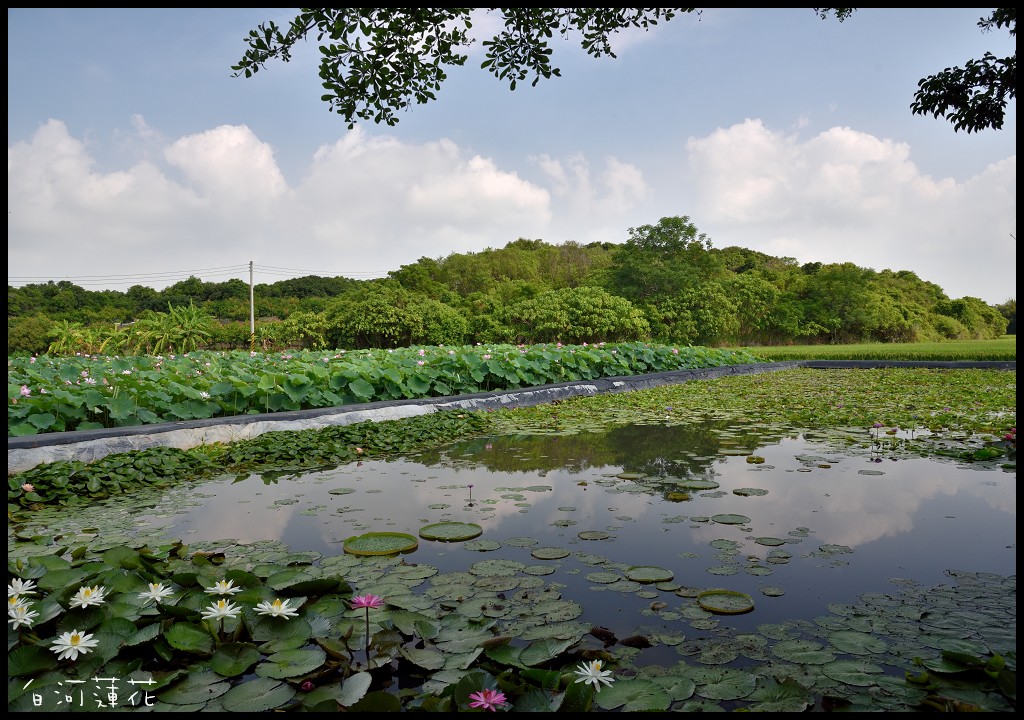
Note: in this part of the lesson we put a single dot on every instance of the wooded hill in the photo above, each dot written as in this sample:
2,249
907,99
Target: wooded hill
666,283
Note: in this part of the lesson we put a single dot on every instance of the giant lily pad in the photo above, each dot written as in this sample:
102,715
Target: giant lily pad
381,543
451,531
725,602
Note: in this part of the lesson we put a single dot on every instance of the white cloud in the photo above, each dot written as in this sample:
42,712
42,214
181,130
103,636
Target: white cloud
845,196
370,203
228,164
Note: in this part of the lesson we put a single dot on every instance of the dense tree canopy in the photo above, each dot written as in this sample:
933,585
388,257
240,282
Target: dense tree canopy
666,282
377,61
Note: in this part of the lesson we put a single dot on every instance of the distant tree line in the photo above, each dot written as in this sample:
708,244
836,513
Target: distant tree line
666,283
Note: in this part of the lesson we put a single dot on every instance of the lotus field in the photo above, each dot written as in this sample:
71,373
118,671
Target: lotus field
59,394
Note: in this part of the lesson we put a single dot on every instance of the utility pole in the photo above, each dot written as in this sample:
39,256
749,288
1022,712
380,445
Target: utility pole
252,314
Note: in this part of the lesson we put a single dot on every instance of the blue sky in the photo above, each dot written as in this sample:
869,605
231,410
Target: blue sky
135,158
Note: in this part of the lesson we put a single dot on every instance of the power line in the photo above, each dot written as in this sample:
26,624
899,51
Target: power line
292,272
170,277
134,276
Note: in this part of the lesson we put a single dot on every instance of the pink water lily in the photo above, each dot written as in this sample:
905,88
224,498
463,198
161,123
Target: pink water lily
488,699
367,601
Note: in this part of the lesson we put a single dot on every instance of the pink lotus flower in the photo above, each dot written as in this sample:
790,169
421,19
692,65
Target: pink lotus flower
367,601
487,699
25,392
28,487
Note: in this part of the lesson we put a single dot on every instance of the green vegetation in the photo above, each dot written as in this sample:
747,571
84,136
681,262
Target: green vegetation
58,394
665,284
1004,348
300,632
968,414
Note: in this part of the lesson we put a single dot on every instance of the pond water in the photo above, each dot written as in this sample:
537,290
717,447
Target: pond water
795,524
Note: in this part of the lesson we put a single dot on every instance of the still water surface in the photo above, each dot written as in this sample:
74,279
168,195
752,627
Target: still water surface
822,526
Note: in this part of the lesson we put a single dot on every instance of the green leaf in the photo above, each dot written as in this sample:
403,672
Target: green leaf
195,688
232,659
27,660
189,638
354,688
633,696
292,663
362,390
259,695
418,386
42,421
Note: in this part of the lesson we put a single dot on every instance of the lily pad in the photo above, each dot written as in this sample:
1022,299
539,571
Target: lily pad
381,543
593,535
603,577
649,574
698,484
725,602
730,519
482,545
549,553
451,531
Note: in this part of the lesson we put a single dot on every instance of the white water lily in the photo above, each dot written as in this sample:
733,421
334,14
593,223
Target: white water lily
592,674
224,587
220,610
156,592
15,601
21,615
70,644
87,596
17,586
278,608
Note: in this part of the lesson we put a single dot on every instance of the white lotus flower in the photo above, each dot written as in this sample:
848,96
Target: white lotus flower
278,608
17,586
87,596
21,615
220,610
156,592
70,644
592,674
223,587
